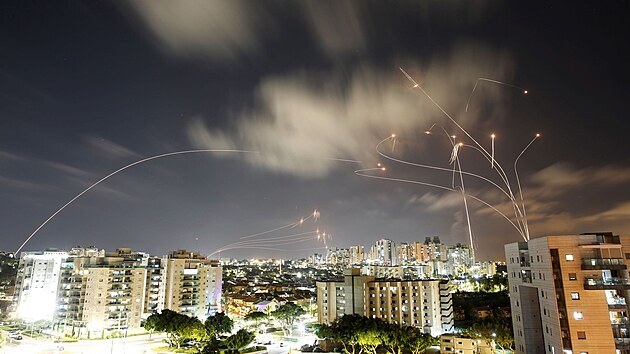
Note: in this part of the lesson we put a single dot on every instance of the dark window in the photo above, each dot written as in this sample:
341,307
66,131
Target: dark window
572,276
581,335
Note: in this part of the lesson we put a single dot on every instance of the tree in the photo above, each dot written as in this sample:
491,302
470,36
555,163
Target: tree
418,341
369,339
178,327
395,338
286,315
151,324
493,332
343,331
240,339
256,317
219,324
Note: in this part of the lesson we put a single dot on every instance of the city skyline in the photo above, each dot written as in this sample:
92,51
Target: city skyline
89,88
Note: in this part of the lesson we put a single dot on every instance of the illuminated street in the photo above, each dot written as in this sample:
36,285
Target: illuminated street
130,345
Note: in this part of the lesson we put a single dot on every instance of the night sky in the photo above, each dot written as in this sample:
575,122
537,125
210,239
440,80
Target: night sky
87,87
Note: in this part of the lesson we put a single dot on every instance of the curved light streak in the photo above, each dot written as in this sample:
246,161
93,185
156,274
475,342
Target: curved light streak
515,205
492,81
291,225
122,169
446,189
435,167
518,181
183,152
300,240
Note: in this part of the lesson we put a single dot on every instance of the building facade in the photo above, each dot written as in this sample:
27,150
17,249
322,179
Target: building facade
191,284
385,252
98,292
569,293
37,283
426,304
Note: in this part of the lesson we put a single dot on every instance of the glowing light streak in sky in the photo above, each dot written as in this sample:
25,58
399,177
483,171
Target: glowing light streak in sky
518,209
492,81
147,159
402,180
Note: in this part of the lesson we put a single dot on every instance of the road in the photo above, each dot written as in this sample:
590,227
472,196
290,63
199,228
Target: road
129,345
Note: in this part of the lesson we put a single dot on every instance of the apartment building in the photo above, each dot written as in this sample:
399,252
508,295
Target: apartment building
36,284
459,344
421,303
102,293
98,292
385,252
191,284
345,297
569,293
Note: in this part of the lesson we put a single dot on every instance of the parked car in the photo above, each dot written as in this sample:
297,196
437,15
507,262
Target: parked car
15,335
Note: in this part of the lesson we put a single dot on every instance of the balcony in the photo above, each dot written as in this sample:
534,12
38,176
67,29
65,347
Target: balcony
622,343
606,284
603,263
618,303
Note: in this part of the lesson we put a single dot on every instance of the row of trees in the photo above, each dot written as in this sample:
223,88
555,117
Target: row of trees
286,315
204,336
358,334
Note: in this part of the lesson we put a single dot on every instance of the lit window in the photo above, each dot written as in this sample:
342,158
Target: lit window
578,315
572,276
575,296
569,257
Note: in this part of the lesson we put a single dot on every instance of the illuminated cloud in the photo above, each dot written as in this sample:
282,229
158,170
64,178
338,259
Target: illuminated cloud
300,121
337,25
109,148
221,30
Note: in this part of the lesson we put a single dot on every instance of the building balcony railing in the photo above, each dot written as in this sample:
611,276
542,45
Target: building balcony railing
603,263
617,303
622,343
608,283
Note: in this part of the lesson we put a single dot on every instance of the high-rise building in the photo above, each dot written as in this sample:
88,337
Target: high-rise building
102,293
420,252
426,304
338,256
37,283
438,252
460,259
356,255
385,252
96,292
404,253
337,298
154,282
191,284
569,293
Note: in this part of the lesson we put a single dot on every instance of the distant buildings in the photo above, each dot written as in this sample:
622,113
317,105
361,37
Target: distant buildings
569,293
426,304
385,252
88,288
430,258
